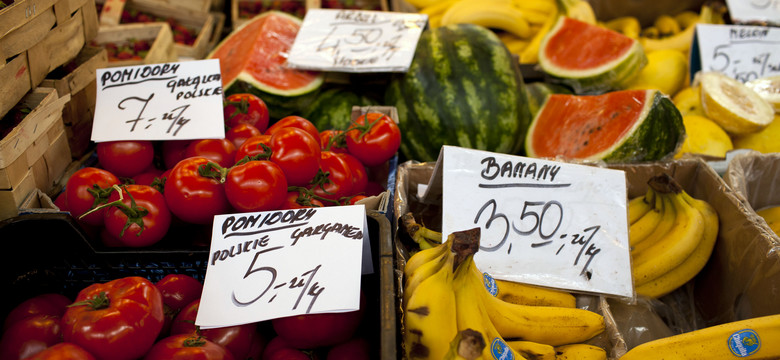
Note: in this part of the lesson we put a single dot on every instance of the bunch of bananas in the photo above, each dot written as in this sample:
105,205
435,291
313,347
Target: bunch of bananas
671,236
449,313
520,24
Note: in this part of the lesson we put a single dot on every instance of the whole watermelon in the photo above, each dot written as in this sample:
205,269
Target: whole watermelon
333,108
463,88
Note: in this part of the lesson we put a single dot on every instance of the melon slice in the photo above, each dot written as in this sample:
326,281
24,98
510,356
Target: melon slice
735,107
252,59
622,126
589,59
768,88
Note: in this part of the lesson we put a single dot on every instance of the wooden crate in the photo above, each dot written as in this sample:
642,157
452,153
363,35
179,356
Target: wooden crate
207,24
78,80
38,36
238,17
162,50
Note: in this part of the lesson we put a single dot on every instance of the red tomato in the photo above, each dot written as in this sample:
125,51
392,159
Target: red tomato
63,351
236,339
316,330
338,182
375,140
150,210
239,133
44,304
147,176
295,200
179,290
257,346
331,141
257,185
246,109
296,122
79,192
220,151
353,200
118,320
30,336
373,188
187,346
356,348
358,171
252,146
125,158
277,343
289,354
297,153
61,201
109,240
192,197
173,151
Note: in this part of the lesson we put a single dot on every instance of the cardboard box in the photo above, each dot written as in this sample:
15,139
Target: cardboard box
159,34
37,37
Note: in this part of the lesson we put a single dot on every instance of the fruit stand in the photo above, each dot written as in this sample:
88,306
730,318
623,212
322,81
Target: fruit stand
138,229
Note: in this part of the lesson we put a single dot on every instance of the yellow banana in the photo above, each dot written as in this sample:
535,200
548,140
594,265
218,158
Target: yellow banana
496,14
422,3
533,350
686,18
688,269
429,324
530,54
577,9
666,25
771,215
641,241
467,345
580,352
439,8
682,40
672,249
524,294
647,225
626,25
423,256
749,339
542,6
640,205
513,43
423,272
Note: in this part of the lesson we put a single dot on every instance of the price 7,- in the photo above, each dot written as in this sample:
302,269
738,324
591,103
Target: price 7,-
542,220
136,105
303,283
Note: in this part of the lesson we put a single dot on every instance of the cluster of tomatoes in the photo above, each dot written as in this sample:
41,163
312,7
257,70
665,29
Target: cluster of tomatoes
256,167
132,318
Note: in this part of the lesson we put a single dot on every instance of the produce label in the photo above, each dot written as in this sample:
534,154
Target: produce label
543,222
171,101
356,40
742,52
744,343
275,264
743,11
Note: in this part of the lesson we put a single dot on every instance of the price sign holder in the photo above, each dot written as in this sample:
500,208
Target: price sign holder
760,11
171,101
356,41
543,222
742,52
281,263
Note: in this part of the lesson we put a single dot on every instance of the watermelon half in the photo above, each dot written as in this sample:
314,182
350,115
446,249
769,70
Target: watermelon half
588,58
252,60
622,126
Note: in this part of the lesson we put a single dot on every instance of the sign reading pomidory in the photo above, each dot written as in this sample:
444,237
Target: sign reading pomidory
171,101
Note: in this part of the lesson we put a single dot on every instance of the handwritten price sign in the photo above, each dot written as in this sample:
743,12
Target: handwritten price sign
746,11
283,263
742,52
172,101
543,222
356,40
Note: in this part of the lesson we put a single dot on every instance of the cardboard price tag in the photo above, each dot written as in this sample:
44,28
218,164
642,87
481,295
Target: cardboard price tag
282,263
172,101
356,40
543,222
745,11
742,52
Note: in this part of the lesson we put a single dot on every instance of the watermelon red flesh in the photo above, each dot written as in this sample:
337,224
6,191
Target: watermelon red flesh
602,46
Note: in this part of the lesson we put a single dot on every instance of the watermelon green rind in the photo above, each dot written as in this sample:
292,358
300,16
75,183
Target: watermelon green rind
609,76
463,88
656,135
333,108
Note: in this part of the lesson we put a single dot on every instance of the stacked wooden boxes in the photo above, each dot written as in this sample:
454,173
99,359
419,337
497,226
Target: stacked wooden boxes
243,10
195,15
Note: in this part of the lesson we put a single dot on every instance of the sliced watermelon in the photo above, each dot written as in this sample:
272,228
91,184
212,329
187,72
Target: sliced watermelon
252,59
590,59
621,126
538,91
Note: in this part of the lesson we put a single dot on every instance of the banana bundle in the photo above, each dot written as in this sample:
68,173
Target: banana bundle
671,236
450,314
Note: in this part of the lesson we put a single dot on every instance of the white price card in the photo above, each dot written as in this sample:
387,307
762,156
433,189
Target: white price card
742,52
275,264
356,40
171,101
542,222
745,11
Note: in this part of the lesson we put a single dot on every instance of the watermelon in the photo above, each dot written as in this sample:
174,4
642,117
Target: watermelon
333,108
538,91
621,126
463,88
252,60
590,59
